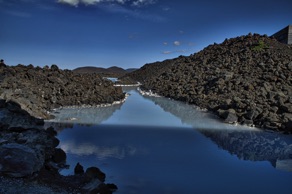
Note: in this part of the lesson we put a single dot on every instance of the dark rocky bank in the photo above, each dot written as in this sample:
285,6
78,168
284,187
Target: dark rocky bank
246,80
29,157
39,90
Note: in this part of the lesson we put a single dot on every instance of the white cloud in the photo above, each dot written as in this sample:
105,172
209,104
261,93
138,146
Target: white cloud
166,52
165,43
137,3
70,2
177,43
118,6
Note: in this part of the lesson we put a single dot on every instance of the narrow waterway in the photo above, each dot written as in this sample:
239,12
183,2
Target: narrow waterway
157,145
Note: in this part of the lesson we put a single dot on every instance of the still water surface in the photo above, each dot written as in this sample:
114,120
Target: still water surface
156,145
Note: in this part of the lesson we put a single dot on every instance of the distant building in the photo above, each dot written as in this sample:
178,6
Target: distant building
284,35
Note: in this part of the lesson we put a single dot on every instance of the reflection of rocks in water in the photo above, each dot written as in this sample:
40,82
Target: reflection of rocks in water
284,165
87,116
255,146
187,113
190,114
246,143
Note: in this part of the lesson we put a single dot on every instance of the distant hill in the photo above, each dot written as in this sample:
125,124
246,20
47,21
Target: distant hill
131,70
110,70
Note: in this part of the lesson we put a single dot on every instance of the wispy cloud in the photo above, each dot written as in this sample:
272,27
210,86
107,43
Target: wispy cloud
139,3
133,36
191,44
119,9
176,43
126,7
18,8
136,3
166,52
165,8
177,51
18,13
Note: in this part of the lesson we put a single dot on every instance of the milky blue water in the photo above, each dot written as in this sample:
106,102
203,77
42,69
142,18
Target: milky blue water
156,145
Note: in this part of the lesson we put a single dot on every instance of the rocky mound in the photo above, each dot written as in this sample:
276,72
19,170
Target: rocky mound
29,157
147,72
247,79
39,90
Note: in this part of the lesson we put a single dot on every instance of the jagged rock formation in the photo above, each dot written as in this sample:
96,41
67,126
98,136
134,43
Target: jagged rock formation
247,79
29,152
38,90
25,147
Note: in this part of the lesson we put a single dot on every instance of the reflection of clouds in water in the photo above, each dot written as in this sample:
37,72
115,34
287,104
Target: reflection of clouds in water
102,152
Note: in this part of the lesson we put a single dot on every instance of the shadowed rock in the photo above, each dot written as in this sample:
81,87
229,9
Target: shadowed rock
18,160
38,90
78,169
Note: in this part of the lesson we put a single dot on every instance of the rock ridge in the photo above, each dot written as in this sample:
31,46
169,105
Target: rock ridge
38,90
246,80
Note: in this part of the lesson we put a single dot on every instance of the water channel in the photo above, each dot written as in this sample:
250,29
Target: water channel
157,145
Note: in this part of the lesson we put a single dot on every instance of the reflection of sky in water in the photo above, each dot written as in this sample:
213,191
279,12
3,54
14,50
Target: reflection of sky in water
168,160
139,111
145,111
147,145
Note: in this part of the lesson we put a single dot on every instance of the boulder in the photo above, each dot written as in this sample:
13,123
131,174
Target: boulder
59,156
78,169
18,160
93,173
230,117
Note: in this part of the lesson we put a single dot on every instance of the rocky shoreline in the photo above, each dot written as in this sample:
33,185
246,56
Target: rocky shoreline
245,80
29,157
39,90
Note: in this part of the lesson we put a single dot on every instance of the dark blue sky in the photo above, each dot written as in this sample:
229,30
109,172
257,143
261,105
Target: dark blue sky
127,33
